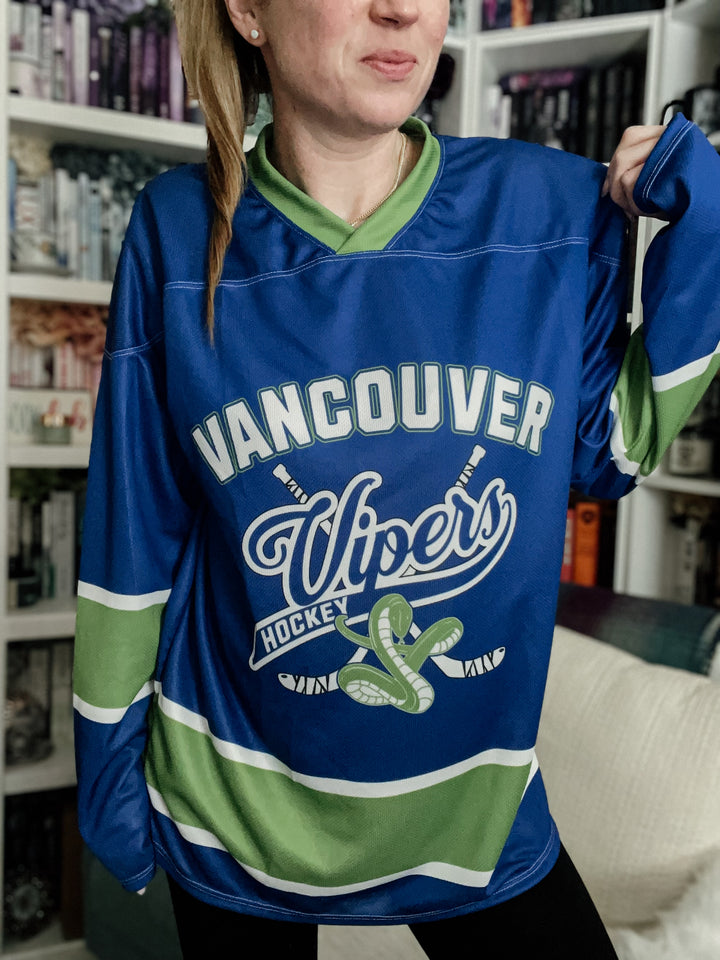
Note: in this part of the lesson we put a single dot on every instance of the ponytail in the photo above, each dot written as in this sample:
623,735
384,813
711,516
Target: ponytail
226,74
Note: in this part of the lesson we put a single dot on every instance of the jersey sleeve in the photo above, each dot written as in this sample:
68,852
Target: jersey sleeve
638,392
136,520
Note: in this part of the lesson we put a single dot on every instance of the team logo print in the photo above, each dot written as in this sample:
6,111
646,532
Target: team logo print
341,567
402,686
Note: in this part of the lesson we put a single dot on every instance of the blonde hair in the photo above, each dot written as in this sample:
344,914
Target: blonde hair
226,75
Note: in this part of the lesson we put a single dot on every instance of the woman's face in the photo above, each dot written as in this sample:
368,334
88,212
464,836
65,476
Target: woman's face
354,66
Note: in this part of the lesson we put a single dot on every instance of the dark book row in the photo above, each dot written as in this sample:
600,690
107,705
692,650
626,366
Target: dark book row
45,510
72,219
692,556
501,14
581,110
116,55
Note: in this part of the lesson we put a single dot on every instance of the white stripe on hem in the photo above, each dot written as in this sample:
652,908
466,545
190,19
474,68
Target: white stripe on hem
436,870
346,788
122,601
110,714
696,368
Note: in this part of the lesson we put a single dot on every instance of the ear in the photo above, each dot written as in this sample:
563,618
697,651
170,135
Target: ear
243,16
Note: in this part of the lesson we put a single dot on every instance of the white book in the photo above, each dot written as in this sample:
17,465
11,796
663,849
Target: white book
32,32
177,79
59,72
80,23
62,549
45,74
95,231
505,117
83,225
63,216
73,230
15,26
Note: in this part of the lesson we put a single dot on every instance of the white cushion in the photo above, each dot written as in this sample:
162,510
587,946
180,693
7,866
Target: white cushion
630,756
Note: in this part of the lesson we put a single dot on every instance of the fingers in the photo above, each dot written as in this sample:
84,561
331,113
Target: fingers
635,147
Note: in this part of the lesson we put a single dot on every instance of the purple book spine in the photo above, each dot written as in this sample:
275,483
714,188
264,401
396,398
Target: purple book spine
105,39
119,83
135,63
149,74
163,106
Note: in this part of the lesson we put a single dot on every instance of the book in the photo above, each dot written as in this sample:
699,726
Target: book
63,546
94,60
120,91
586,542
80,30
566,571
176,78
59,72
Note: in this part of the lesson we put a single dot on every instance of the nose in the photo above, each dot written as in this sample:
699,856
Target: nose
395,13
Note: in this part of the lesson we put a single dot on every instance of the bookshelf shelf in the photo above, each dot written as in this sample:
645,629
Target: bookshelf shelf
44,620
673,484
29,286
54,773
108,129
57,456
568,30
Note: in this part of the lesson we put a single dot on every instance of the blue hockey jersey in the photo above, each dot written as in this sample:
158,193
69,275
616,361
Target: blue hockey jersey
321,554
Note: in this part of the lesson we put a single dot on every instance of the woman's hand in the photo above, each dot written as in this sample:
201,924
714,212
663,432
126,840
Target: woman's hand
626,165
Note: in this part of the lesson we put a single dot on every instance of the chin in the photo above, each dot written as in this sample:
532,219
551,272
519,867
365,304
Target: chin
388,114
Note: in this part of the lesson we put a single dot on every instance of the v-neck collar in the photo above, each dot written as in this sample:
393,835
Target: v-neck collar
312,217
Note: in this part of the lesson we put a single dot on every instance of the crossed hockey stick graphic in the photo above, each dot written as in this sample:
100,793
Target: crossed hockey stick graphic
451,667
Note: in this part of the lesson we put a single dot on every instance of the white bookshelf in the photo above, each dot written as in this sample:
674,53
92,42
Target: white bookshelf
58,122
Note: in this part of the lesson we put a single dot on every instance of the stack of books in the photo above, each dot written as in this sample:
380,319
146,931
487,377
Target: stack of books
45,510
122,55
71,220
501,14
578,109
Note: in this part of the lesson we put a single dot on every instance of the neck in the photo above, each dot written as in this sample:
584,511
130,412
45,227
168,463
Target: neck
348,176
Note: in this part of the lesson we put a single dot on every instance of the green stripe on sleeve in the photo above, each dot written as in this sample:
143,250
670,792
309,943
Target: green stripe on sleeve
115,652
650,419
295,833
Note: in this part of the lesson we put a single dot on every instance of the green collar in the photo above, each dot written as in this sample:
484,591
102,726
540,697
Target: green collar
312,217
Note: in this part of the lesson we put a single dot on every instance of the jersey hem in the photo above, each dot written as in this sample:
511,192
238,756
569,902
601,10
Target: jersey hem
528,879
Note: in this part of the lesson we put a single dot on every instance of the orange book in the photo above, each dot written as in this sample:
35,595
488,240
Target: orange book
588,516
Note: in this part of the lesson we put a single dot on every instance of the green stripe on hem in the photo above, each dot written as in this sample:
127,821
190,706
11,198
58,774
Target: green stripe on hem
312,217
115,652
650,420
297,834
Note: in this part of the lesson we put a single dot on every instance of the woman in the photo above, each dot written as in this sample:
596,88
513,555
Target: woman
329,481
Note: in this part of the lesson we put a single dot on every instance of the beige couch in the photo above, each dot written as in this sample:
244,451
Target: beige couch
630,754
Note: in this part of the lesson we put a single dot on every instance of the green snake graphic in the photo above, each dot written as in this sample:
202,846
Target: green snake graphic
403,686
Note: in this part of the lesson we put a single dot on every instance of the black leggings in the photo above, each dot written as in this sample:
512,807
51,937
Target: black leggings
554,920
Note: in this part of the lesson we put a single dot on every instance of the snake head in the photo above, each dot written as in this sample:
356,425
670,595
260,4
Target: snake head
399,612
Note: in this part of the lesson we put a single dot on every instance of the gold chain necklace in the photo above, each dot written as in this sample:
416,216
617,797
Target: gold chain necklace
401,161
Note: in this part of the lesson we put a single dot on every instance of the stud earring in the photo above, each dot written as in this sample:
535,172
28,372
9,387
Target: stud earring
254,34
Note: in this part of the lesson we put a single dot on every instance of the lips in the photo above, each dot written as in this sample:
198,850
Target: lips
391,64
